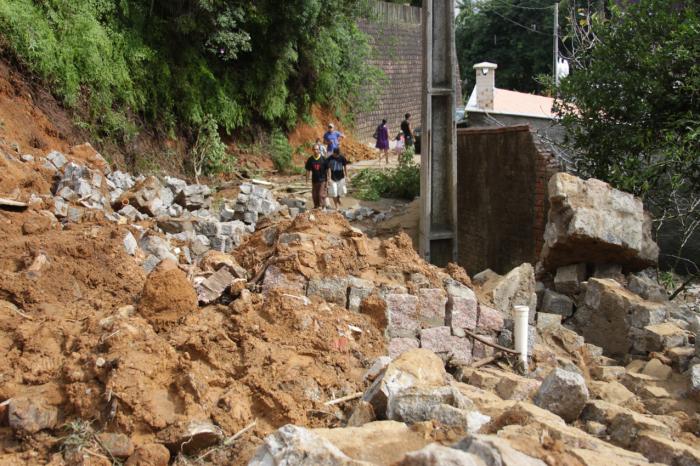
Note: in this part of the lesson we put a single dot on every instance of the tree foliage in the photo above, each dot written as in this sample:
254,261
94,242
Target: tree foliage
177,62
515,34
632,107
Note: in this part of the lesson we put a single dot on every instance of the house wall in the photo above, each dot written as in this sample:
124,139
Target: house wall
545,127
396,37
501,197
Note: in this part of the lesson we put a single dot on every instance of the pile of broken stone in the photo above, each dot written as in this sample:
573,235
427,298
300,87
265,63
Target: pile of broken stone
170,218
615,366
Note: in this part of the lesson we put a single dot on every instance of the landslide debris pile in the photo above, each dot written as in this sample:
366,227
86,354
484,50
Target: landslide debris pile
292,338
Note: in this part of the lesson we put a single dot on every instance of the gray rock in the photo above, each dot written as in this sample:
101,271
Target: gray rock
130,244
694,381
57,159
213,287
563,393
330,289
200,244
30,415
517,287
557,303
358,290
175,184
150,263
129,212
295,446
157,246
60,207
75,214
221,243
418,404
495,451
589,221
568,278
545,320
435,454
646,287
27,158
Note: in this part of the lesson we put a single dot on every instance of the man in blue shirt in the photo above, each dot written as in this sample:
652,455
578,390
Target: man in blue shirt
332,138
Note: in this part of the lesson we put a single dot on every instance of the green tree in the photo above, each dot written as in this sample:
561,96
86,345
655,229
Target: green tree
515,34
632,109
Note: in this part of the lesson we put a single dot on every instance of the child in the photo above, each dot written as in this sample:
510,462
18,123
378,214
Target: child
338,172
320,149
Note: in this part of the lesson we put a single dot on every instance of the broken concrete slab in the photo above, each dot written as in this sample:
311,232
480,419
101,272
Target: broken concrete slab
589,221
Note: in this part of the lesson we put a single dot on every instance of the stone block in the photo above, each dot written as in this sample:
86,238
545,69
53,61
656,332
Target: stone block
626,427
60,207
462,311
436,339
200,245
545,320
647,313
517,287
563,393
358,290
275,279
214,286
482,350
402,312
646,287
607,373
657,369
681,356
589,221
661,449
460,352
659,337
694,382
612,392
569,277
57,159
398,346
557,303
514,387
431,307
490,320
330,289
221,243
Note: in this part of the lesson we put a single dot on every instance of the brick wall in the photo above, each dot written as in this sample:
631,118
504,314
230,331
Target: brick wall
396,36
501,196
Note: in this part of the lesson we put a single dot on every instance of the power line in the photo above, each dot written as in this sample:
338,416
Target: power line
517,23
523,7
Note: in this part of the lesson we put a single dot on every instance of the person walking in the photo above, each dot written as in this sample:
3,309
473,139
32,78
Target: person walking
316,168
320,149
338,173
382,136
332,138
406,130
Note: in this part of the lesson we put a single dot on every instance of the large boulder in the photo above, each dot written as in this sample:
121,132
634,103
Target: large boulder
564,393
517,287
415,368
589,221
613,317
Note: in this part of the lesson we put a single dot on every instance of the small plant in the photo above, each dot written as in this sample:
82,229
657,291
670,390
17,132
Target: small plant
402,182
282,152
208,154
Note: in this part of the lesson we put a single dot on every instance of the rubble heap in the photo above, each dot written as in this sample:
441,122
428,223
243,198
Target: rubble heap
163,327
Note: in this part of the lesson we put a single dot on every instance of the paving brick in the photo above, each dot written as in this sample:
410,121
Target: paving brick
397,346
490,320
437,339
462,312
402,311
431,307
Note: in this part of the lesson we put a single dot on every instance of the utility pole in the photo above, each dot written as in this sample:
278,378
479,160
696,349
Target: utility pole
438,194
555,34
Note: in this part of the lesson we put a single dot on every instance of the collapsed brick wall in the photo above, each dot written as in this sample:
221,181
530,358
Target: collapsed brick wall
396,37
501,196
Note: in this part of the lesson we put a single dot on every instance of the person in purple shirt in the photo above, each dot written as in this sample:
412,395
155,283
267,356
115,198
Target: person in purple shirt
382,135
332,138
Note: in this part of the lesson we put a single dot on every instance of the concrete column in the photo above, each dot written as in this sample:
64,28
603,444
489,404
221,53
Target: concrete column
438,222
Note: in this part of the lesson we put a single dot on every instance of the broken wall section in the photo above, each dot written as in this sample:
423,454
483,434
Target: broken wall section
501,197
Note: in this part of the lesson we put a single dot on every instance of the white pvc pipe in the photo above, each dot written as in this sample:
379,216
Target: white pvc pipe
520,331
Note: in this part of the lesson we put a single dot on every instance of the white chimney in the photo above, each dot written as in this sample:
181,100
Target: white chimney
485,84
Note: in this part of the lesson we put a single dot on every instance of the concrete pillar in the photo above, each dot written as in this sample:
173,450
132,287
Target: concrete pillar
438,222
